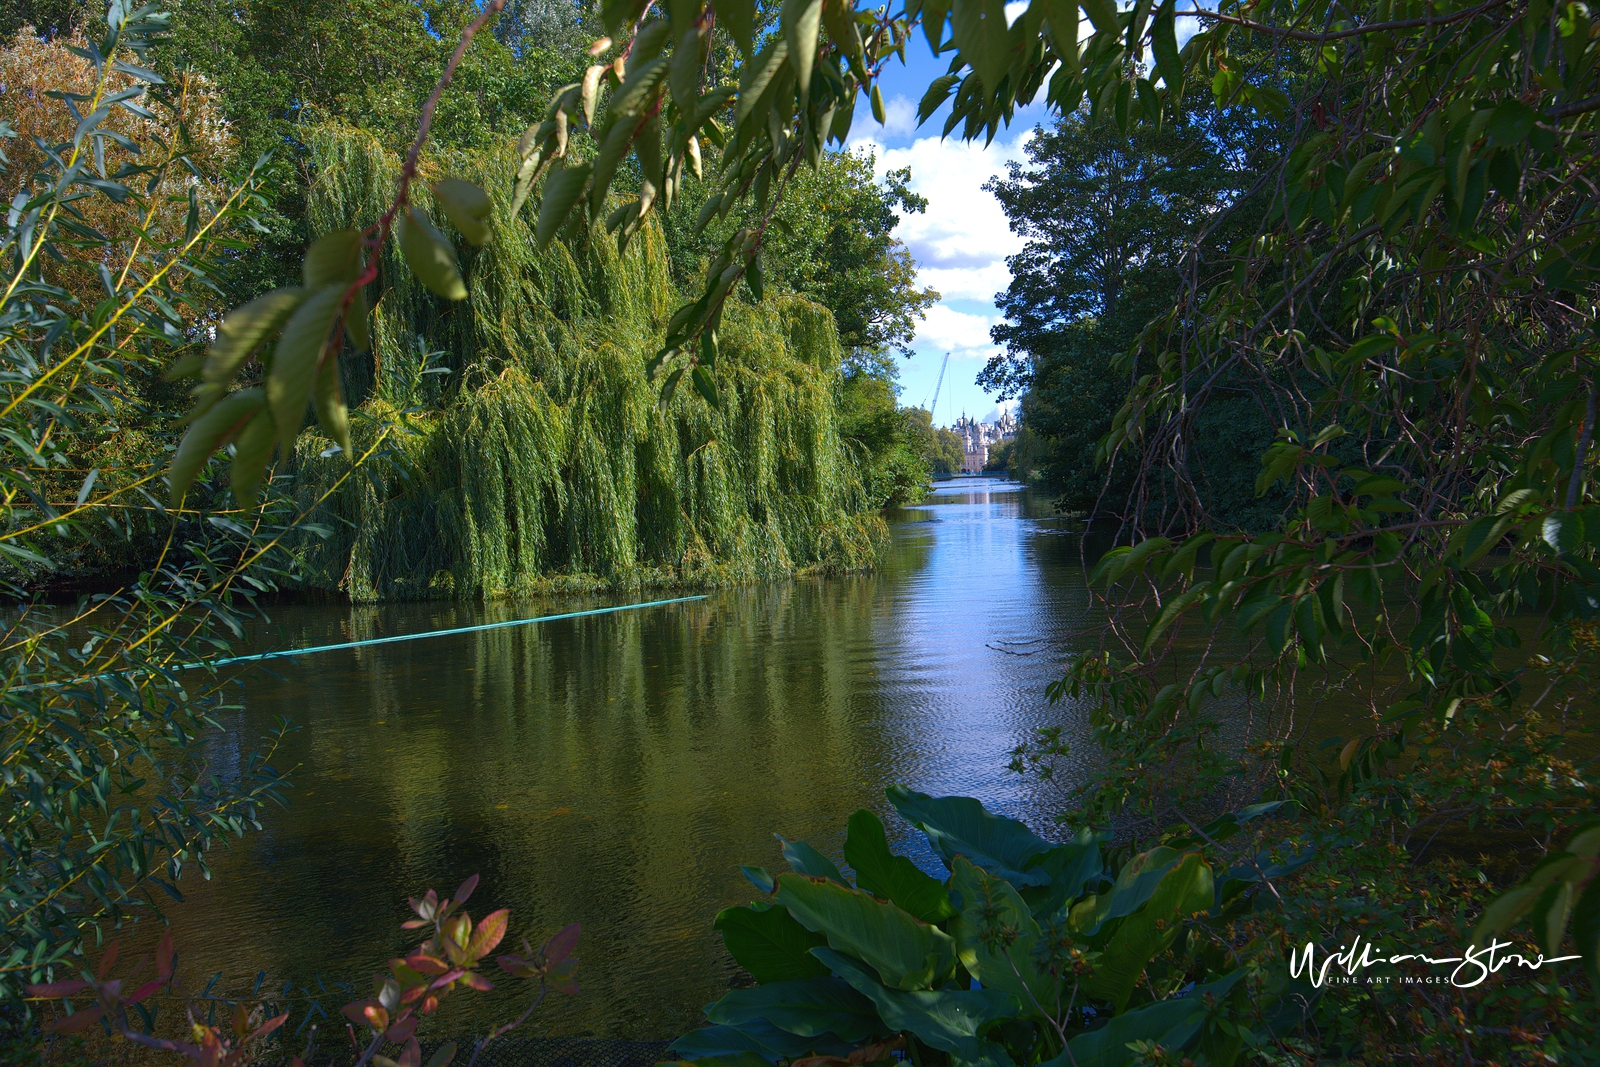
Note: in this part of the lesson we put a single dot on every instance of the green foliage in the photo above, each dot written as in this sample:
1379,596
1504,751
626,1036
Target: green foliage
1075,960
943,448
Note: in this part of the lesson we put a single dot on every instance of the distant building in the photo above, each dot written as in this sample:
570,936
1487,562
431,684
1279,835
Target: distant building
978,437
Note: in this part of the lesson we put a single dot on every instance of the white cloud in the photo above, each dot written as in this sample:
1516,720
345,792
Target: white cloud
967,283
1001,408
962,334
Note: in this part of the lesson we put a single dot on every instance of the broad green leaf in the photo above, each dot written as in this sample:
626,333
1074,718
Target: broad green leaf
466,206
891,877
979,30
948,1019
328,398
1135,884
1103,13
1172,1024
430,256
632,96
1164,44
760,1037
737,17
1183,890
906,952
959,826
224,420
1563,530
683,76
996,937
807,1007
757,76
1511,123
562,188
769,943
802,22
1070,867
252,450
333,259
803,859
240,334
297,360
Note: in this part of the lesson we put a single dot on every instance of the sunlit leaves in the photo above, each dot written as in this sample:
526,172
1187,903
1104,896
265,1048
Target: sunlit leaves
429,255
216,427
466,206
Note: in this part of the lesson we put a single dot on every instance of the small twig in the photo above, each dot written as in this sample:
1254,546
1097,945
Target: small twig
492,1034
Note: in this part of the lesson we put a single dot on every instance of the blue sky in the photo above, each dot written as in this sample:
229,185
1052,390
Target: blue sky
960,244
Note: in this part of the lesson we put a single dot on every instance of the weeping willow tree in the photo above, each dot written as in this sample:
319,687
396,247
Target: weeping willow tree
536,456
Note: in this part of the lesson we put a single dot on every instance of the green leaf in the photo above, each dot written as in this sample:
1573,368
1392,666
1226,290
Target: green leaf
948,1019
996,936
562,189
737,17
225,419
769,943
803,859
1135,884
754,279
891,877
683,76
252,449
757,75
906,952
805,1006
631,97
1563,530
1070,867
328,398
297,360
1103,13
1172,1024
1164,44
355,321
466,206
959,826
1511,123
429,255
333,259
706,385
240,334
1183,890
802,22
757,1036
979,30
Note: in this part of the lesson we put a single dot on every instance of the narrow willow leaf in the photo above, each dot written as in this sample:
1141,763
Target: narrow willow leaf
333,258
430,256
328,396
296,359
561,191
240,334
206,434
466,206
251,452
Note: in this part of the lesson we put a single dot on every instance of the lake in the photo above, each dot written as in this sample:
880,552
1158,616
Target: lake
614,770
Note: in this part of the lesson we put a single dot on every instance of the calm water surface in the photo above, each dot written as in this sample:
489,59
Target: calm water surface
614,770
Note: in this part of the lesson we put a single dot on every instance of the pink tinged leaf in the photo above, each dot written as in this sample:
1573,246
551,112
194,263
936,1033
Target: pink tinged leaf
512,964
474,980
376,1016
446,979
430,1004
107,961
356,1010
145,990
401,1030
423,964
267,1027
411,1055
413,924
54,990
466,889
164,954
430,905
74,1022
561,945
491,930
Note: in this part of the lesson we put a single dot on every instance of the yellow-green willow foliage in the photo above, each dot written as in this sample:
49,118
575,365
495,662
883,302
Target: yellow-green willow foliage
541,459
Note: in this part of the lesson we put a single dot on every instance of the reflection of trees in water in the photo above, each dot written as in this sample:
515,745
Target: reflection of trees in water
611,770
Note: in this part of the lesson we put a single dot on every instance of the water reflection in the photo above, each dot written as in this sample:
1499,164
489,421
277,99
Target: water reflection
614,770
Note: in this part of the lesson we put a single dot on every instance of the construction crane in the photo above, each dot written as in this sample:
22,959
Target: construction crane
938,385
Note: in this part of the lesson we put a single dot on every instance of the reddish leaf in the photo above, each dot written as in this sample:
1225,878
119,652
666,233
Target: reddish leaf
402,1029
164,955
466,889
241,1019
53,990
474,980
515,965
376,1016
430,1004
490,932
561,945
107,961
560,977
413,924
356,1010
446,978
411,1055
74,1022
424,964
267,1027
144,991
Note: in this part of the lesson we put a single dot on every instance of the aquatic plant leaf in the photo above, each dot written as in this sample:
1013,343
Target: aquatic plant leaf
989,904
960,826
891,877
803,859
805,1006
906,952
1185,889
769,943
